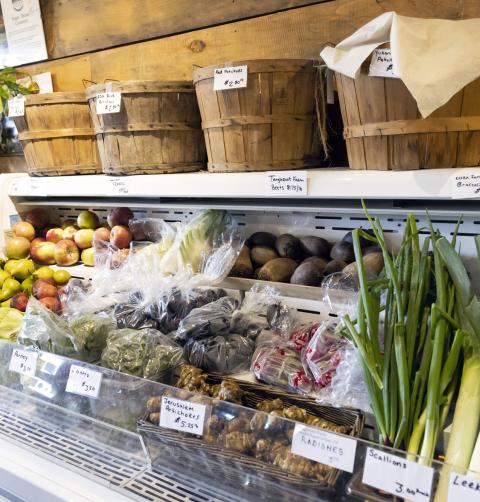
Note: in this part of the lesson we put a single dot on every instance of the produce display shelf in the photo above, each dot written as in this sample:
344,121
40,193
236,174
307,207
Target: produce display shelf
322,183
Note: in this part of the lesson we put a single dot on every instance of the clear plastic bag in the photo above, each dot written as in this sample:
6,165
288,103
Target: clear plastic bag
322,355
82,338
347,388
281,366
340,294
144,353
226,354
151,229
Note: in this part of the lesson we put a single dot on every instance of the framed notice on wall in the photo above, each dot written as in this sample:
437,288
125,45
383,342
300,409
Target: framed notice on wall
22,39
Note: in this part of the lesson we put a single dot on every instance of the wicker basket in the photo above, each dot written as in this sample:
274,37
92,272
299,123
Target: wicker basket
57,135
383,129
269,125
234,465
156,131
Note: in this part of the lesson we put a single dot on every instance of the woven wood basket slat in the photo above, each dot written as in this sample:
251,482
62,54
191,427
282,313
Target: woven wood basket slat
270,124
156,131
57,135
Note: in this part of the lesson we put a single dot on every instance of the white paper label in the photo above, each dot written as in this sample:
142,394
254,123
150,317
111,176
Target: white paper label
84,381
463,488
24,362
16,107
44,82
286,183
398,476
324,447
381,64
230,77
182,415
465,184
119,186
108,102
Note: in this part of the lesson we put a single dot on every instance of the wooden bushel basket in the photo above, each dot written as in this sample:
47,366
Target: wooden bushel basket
384,130
269,125
57,135
156,131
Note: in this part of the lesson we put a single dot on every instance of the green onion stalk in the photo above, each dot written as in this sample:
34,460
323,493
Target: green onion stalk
412,378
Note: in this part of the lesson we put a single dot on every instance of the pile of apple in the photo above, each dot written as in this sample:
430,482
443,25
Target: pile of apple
72,241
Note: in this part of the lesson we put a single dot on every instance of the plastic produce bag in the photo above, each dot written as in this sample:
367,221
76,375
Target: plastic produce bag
340,294
220,354
323,353
145,353
281,366
10,322
90,332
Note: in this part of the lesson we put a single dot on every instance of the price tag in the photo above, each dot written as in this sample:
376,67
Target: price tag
16,107
398,476
108,102
463,488
230,77
24,362
465,184
84,381
182,415
381,64
324,447
286,183
119,186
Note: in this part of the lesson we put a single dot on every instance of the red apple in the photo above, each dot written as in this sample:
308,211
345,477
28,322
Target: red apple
37,217
66,253
42,289
43,253
101,234
69,223
24,229
69,232
45,230
19,302
52,304
119,216
54,235
46,281
37,241
83,238
120,237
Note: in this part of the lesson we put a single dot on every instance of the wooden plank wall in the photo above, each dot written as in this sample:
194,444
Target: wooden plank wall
163,39
97,40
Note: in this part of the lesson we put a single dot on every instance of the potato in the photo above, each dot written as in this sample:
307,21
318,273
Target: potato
278,270
343,251
288,246
243,266
309,273
372,262
334,266
265,239
315,246
261,255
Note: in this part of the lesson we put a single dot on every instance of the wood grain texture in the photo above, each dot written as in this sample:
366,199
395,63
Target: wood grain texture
57,135
157,129
297,33
79,26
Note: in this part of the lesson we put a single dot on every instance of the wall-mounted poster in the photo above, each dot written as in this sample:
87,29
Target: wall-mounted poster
22,39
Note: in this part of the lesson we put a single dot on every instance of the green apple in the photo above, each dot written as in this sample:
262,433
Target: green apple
88,219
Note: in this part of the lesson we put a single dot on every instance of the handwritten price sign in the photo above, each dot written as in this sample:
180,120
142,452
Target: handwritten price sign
84,381
231,77
23,362
182,415
108,102
119,186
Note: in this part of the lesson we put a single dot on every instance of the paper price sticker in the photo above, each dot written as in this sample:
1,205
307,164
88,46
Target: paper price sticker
381,64
16,107
119,186
230,77
182,415
108,102
286,183
398,476
23,362
324,447
84,381
463,488
465,184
